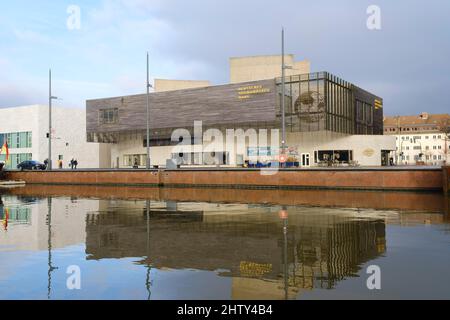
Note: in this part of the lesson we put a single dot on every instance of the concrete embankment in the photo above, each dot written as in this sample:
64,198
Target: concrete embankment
395,179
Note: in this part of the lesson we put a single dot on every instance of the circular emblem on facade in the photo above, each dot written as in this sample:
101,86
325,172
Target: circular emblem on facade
369,152
310,106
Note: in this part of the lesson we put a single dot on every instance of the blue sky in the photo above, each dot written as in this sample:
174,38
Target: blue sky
406,62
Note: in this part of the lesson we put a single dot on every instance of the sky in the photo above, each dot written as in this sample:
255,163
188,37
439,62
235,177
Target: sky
406,62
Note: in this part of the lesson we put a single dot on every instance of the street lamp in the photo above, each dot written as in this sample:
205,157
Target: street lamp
148,86
283,93
398,154
421,149
50,98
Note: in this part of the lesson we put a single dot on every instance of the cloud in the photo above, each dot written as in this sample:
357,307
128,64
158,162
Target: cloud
406,62
32,37
12,95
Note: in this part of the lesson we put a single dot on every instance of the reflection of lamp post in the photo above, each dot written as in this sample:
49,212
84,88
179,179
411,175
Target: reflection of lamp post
284,216
148,282
50,266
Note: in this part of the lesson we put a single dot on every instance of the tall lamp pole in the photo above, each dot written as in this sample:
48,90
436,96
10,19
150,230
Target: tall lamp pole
283,92
50,98
283,100
148,86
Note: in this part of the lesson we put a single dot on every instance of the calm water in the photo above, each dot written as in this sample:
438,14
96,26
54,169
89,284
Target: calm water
160,249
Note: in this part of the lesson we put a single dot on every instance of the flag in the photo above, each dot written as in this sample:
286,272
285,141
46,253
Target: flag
5,150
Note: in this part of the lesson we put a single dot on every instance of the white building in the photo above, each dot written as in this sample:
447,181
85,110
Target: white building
420,140
25,128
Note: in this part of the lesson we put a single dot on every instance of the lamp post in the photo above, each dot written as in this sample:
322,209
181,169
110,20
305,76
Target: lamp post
148,86
283,100
421,149
283,89
398,154
50,98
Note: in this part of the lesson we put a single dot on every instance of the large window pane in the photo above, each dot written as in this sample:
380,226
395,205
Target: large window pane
23,143
29,140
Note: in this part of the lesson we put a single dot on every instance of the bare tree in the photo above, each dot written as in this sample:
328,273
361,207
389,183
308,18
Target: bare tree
444,127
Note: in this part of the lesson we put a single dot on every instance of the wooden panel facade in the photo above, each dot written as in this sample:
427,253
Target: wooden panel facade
251,102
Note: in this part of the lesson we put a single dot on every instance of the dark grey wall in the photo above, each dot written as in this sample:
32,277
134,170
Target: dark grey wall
219,105
370,98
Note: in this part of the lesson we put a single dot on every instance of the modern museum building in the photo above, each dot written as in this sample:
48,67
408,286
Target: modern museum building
328,121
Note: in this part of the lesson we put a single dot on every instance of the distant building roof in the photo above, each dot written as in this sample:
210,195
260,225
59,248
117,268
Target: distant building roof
424,119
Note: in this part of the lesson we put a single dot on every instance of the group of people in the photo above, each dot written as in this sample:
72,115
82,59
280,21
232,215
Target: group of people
72,164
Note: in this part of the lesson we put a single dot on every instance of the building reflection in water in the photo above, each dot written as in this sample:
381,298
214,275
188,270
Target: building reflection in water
13,215
269,252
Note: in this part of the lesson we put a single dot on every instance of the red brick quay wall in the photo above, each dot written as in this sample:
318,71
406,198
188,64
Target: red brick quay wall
414,179
446,177
87,177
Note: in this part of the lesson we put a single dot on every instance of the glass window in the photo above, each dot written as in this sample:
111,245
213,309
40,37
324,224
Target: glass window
109,116
23,141
129,160
23,157
12,140
29,140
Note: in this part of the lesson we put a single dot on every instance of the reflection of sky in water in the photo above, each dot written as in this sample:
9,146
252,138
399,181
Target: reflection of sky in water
104,279
221,251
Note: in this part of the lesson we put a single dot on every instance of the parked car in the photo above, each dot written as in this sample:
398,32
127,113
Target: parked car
31,165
